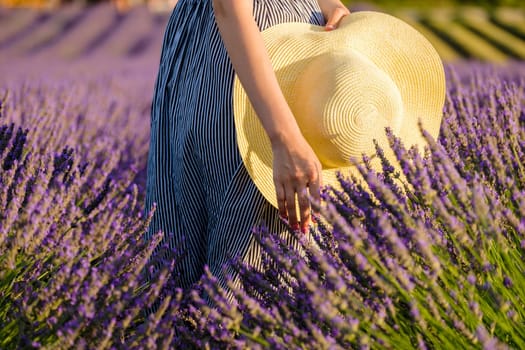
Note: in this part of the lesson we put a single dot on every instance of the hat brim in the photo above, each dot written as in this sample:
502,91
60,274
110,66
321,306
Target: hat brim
392,45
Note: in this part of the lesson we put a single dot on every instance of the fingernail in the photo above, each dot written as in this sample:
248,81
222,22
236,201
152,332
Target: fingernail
330,27
295,227
304,229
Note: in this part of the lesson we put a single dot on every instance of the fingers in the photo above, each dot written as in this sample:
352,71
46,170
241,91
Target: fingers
335,17
315,194
281,201
286,205
304,208
303,221
290,208
306,195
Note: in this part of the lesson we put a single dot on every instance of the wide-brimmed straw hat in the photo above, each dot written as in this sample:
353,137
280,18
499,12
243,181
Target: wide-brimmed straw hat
344,88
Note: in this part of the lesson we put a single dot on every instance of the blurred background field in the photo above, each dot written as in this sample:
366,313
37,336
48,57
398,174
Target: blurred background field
132,29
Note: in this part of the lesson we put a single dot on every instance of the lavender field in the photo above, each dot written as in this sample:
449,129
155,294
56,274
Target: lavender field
436,261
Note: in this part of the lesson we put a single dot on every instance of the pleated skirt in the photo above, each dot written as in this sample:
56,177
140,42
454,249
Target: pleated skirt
206,203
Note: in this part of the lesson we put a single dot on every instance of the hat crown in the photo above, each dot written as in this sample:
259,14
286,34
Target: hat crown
342,102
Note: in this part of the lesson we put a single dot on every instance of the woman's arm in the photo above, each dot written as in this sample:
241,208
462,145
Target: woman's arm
248,55
296,167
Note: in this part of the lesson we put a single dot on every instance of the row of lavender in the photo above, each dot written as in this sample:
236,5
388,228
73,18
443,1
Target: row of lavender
75,31
437,262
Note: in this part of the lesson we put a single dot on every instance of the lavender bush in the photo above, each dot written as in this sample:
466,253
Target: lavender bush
430,259
435,260
71,253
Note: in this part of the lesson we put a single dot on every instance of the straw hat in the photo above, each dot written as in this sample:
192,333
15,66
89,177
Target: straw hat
344,88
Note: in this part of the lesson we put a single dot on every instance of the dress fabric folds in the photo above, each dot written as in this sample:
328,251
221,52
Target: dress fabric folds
206,203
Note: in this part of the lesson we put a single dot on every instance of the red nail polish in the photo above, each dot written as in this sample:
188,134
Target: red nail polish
304,229
295,227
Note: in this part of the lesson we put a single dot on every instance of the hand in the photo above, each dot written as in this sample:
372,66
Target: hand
296,170
333,11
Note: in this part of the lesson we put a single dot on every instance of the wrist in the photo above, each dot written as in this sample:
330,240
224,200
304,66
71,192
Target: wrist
284,135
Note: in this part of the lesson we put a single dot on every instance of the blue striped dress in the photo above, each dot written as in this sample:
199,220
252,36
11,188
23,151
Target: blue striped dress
206,203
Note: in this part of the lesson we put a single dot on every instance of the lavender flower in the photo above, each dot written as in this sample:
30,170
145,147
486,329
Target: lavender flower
426,256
